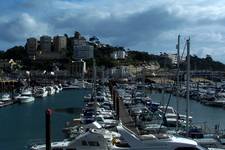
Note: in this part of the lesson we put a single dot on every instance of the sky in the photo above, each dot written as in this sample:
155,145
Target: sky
145,25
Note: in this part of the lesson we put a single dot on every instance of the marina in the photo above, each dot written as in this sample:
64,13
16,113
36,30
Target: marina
103,75
144,109
24,124
106,117
202,114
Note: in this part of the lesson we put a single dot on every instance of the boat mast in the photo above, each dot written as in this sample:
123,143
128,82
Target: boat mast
143,79
188,86
94,85
178,67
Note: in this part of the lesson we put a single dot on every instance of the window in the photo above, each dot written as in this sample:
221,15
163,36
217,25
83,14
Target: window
84,143
93,143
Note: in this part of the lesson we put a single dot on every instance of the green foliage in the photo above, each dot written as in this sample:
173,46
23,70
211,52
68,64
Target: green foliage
102,56
137,57
16,53
206,63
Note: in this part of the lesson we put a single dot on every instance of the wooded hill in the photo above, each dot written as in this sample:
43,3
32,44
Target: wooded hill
102,57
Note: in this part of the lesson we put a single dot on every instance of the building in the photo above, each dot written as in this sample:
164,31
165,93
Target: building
83,51
31,46
78,41
59,44
119,72
78,68
57,50
121,54
77,35
81,48
45,44
172,57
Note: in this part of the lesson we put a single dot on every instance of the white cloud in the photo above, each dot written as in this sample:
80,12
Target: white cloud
18,28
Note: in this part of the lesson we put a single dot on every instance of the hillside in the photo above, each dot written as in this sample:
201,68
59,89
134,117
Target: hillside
102,57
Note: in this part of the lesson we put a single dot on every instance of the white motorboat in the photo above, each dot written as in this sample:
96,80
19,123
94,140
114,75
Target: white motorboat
41,92
26,96
60,87
5,97
102,139
51,90
56,87
171,116
106,122
92,139
5,100
130,141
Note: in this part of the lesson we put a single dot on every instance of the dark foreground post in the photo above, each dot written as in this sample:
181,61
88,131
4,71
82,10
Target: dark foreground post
117,106
48,113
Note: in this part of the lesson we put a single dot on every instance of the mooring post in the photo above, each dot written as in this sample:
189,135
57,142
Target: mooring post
48,128
114,98
118,107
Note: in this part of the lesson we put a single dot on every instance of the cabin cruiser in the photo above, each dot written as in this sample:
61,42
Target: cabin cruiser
171,116
60,87
26,96
5,97
125,139
93,137
106,122
5,100
130,141
86,141
51,90
41,92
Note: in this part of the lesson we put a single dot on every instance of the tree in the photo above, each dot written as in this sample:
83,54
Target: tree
16,53
208,58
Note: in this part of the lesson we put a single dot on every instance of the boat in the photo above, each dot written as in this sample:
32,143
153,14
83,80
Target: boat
56,87
5,97
41,92
5,100
26,96
95,139
130,141
51,90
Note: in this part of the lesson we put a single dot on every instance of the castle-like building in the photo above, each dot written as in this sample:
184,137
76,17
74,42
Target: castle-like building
58,47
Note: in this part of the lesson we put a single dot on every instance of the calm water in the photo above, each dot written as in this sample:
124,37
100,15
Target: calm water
199,112
22,124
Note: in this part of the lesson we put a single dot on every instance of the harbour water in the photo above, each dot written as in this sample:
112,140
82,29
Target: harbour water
210,116
24,124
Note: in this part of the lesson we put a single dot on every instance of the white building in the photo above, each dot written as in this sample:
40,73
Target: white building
173,58
120,72
118,54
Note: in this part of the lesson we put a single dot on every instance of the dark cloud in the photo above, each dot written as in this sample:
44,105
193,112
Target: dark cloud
150,25
12,30
126,31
